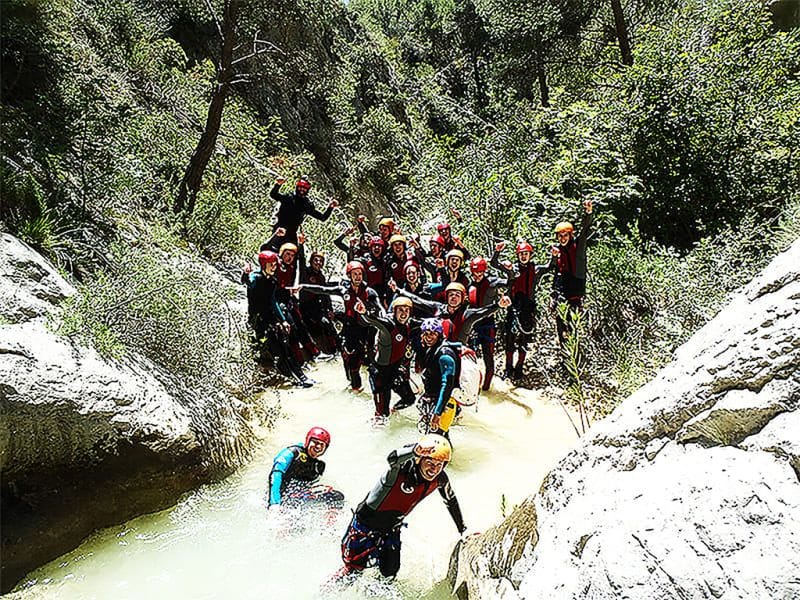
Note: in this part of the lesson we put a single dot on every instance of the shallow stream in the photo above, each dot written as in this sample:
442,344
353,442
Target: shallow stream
218,541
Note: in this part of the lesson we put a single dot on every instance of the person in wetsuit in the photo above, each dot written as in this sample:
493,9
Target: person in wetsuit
293,208
296,468
268,320
484,290
415,471
569,283
390,368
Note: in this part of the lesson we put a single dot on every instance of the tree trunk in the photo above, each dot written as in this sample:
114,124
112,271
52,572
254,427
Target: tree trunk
622,33
193,177
541,76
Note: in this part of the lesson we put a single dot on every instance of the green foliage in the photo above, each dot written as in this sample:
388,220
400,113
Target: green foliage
155,301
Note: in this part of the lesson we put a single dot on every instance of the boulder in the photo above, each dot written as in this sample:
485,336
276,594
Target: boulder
86,441
689,489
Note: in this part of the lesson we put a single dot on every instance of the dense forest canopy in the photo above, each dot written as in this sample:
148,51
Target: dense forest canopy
513,112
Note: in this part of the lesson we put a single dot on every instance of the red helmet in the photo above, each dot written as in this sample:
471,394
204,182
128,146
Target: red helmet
377,241
318,433
478,265
303,184
352,266
267,257
524,247
437,239
409,264
442,226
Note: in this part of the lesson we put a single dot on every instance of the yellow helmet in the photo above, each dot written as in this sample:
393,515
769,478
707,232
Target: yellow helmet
401,301
435,446
287,246
564,227
455,252
457,287
397,238
386,222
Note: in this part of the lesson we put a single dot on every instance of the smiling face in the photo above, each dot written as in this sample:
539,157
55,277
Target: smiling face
524,257
399,248
429,338
430,468
384,231
356,277
477,275
288,256
412,275
445,233
402,314
316,448
564,237
454,263
436,249
270,267
317,262
454,298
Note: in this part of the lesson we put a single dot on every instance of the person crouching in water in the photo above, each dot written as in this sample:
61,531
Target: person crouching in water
389,369
415,471
296,468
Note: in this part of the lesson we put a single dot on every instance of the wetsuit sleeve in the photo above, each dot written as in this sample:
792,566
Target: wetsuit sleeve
583,236
495,262
382,325
275,193
450,500
362,227
326,290
270,244
401,455
313,212
472,316
429,264
431,305
279,468
339,243
448,368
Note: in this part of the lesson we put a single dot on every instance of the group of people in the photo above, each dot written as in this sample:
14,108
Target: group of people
404,309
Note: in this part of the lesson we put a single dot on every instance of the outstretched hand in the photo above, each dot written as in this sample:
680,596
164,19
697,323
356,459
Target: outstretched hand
333,203
360,307
499,246
280,231
301,238
280,181
587,206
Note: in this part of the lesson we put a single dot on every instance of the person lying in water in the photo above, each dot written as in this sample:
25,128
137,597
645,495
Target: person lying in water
296,469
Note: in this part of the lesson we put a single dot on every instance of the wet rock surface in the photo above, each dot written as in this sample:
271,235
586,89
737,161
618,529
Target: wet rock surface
690,489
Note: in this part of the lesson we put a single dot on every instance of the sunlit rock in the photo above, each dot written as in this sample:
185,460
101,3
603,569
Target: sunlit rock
86,441
690,489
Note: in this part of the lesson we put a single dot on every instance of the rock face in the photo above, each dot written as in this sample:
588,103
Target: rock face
85,442
690,489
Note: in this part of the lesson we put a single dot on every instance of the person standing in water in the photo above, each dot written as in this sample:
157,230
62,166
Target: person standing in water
414,472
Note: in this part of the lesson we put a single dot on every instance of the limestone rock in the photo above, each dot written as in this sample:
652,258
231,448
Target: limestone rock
87,442
689,489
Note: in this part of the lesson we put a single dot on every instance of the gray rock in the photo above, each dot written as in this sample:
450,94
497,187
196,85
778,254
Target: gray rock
87,442
689,489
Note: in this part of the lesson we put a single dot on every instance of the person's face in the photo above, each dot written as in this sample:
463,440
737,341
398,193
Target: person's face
563,237
384,230
436,249
288,256
412,275
454,298
301,191
398,248
318,262
454,263
376,250
356,277
430,468
316,448
269,268
402,314
445,233
429,338
524,257
477,275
